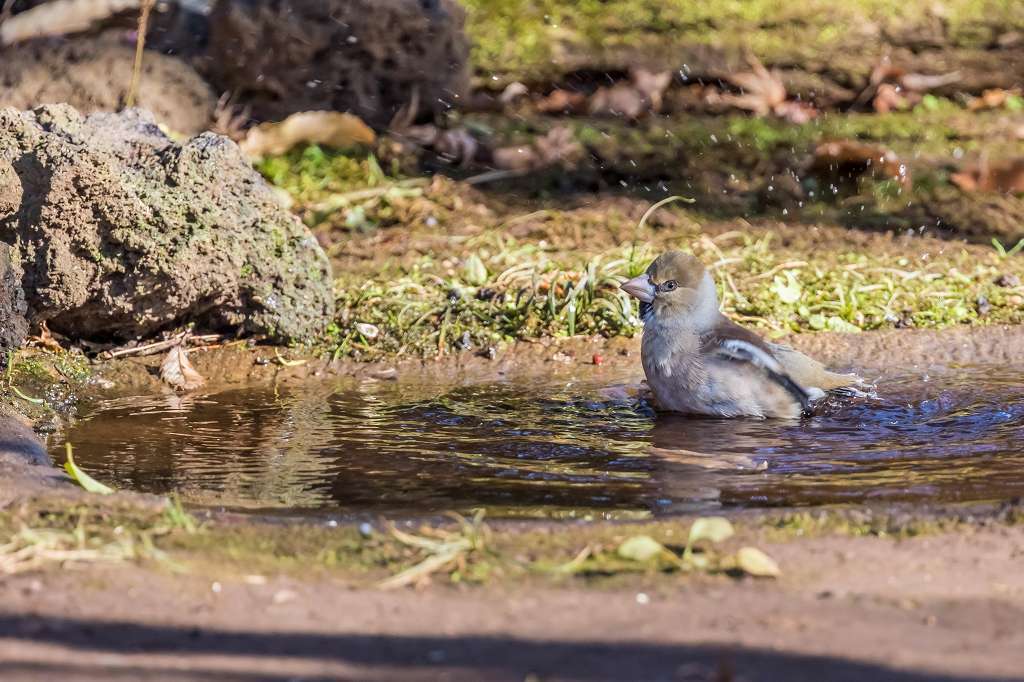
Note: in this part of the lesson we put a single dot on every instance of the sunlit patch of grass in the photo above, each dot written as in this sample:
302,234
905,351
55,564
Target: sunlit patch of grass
488,296
453,553
86,537
496,289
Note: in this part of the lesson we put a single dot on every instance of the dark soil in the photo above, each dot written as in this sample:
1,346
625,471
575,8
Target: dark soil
278,57
93,73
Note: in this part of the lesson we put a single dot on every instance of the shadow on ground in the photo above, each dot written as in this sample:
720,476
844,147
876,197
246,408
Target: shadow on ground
414,657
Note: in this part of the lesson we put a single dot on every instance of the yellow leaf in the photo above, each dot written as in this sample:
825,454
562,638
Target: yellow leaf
640,548
753,561
83,479
712,528
328,128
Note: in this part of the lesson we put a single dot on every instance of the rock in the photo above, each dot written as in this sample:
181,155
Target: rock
92,73
18,441
367,57
119,232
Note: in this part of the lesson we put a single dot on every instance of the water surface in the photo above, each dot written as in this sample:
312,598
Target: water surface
556,449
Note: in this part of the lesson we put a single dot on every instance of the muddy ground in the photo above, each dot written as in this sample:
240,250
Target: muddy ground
942,607
895,593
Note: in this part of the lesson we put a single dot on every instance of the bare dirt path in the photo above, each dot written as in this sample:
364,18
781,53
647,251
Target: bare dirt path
940,607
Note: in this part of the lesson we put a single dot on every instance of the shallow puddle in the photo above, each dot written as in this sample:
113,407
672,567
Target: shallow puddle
576,449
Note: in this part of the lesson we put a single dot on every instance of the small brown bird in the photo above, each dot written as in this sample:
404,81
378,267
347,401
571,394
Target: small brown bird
697,361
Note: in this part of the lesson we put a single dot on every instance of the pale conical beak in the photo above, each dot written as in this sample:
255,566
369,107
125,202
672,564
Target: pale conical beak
640,288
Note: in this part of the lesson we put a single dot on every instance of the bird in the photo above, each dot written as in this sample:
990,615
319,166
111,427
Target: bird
699,362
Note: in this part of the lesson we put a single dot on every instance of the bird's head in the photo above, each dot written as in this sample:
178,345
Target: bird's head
675,285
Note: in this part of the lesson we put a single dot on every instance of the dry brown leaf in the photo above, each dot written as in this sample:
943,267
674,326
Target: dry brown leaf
763,90
652,84
994,98
45,339
796,112
178,372
643,94
558,145
455,145
889,98
893,87
329,128
229,119
562,102
849,158
1005,176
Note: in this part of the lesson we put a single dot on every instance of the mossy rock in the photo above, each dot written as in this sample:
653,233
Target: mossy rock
118,232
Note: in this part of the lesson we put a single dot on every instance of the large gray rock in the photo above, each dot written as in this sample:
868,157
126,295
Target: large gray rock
118,232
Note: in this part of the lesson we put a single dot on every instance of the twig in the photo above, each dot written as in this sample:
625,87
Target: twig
499,174
140,44
157,346
336,201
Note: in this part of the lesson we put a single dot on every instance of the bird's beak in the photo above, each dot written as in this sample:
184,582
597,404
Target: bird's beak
640,287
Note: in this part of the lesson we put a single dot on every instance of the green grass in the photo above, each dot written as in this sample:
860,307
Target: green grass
440,305
539,38
506,292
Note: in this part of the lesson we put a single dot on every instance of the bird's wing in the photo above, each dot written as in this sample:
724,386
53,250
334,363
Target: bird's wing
730,341
809,372
740,350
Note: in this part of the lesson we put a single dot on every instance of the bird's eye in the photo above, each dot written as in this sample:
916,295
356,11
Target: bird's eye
669,285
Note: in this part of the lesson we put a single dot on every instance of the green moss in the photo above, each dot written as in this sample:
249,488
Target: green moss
311,173
540,38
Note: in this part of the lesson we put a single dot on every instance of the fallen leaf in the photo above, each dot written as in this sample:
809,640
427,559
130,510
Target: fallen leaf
1005,176
229,119
889,98
45,339
88,483
557,145
753,561
641,95
329,128
711,528
562,102
178,372
455,145
834,323
640,548
762,90
787,288
474,271
893,87
995,98
850,158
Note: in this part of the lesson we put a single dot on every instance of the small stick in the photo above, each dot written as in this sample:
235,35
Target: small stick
140,44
